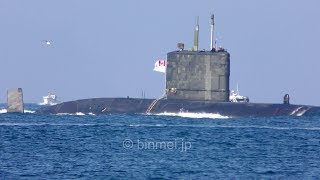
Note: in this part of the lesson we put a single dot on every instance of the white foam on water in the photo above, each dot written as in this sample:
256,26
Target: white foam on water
48,124
80,114
194,115
29,111
160,125
302,112
222,126
22,124
42,104
64,114
76,114
274,127
151,125
25,111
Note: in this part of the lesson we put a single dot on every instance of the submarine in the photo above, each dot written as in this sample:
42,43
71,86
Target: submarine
197,81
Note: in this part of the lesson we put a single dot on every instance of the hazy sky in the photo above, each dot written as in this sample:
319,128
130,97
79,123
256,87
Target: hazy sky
107,48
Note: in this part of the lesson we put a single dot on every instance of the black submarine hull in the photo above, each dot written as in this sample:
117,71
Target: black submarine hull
136,105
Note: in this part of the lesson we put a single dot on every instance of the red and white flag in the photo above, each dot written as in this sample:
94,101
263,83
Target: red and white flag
160,66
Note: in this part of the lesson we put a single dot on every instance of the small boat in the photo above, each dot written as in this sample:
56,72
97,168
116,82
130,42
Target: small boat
237,98
50,99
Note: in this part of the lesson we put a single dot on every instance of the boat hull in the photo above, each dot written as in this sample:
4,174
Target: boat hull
135,105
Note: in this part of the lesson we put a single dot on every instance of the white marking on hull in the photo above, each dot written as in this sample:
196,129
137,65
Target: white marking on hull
303,111
300,111
296,110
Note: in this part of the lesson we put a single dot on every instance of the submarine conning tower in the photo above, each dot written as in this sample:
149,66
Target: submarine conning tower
195,75
198,75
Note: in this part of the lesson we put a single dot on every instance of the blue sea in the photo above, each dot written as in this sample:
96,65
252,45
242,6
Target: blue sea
127,146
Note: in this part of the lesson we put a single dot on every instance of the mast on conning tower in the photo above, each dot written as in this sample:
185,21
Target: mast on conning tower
212,33
196,36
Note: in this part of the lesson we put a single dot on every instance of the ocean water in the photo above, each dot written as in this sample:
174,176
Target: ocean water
183,146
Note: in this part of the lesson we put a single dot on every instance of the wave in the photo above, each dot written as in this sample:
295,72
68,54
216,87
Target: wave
194,115
76,114
2,111
46,104
162,125
228,127
29,111
48,124
270,127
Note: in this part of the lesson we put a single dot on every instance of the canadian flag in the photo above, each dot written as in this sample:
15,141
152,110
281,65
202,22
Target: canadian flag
160,66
